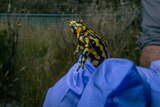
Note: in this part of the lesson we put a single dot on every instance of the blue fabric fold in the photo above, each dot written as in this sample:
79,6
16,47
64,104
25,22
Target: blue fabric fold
115,83
67,91
155,90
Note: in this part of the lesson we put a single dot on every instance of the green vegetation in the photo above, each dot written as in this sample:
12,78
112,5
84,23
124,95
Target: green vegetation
9,78
59,6
44,54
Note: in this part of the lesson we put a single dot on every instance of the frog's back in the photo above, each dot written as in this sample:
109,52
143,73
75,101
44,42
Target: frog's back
98,39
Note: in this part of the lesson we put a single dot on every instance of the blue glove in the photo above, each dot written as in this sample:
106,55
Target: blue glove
115,83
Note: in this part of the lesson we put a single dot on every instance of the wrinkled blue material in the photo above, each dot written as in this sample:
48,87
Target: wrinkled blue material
115,83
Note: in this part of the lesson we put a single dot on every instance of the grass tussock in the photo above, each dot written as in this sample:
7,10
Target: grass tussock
46,56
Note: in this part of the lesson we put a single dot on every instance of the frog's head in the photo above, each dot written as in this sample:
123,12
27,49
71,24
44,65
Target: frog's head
77,26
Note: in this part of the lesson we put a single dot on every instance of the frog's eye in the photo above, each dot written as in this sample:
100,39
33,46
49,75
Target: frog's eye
79,21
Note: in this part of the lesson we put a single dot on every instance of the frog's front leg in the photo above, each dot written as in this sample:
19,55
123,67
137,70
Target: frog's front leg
77,49
83,59
85,52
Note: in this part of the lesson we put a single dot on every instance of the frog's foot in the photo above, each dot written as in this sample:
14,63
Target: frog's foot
81,64
75,52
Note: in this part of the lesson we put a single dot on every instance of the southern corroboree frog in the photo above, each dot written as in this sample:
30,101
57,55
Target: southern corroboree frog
93,47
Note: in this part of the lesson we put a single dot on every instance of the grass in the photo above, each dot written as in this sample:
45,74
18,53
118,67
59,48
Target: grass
45,54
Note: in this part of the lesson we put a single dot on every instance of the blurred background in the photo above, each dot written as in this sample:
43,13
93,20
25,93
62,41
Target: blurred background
36,44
